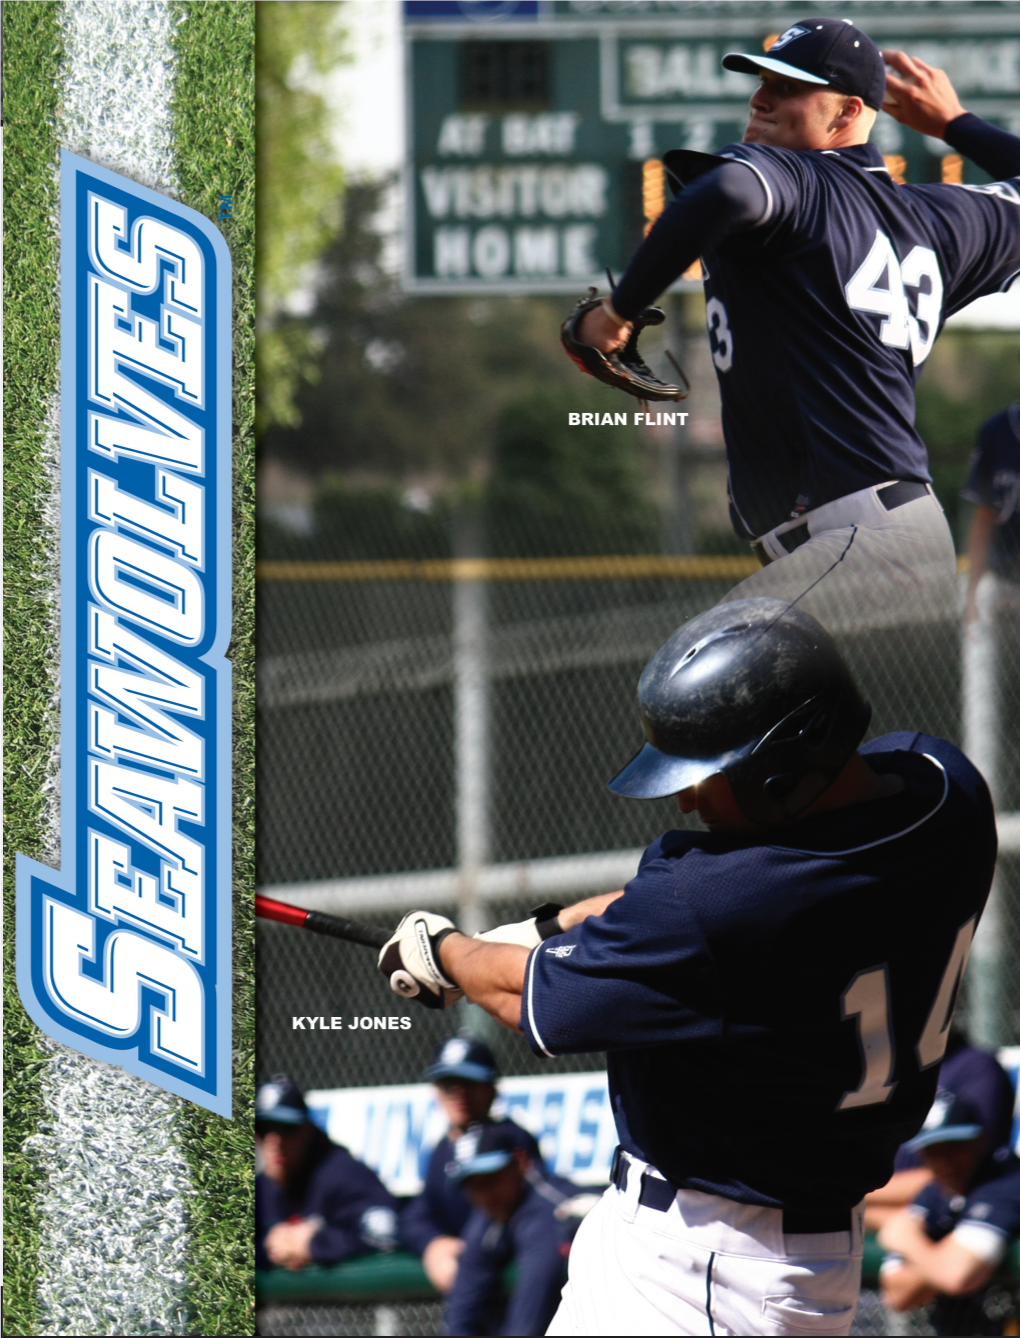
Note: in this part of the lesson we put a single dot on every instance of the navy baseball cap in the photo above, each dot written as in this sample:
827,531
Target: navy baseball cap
279,1101
952,1119
462,1057
822,51
481,1150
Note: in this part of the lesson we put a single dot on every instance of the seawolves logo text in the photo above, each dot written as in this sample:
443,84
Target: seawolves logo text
125,953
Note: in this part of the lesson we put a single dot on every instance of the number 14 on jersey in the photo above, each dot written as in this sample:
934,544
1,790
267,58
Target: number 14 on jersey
867,999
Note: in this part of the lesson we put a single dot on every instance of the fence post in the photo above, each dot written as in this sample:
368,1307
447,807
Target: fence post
471,710
981,705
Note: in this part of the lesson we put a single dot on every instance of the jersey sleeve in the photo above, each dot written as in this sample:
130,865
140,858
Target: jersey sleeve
640,974
980,238
359,1212
993,1209
995,151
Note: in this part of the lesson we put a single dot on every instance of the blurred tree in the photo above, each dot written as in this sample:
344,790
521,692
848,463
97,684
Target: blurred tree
298,185
559,490
444,394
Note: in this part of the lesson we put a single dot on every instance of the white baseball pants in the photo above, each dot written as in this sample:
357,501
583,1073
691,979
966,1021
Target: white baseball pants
707,1265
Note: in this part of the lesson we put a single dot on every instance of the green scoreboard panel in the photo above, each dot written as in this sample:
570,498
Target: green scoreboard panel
535,129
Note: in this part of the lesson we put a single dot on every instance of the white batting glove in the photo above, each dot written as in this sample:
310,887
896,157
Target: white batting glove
410,960
527,933
524,932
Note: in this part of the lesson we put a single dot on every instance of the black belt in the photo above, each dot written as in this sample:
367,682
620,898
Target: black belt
659,1194
891,496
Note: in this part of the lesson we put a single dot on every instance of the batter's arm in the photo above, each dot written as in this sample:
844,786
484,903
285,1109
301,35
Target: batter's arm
490,974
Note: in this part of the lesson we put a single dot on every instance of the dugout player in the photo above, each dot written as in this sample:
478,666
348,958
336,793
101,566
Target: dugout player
979,1079
314,1203
826,286
994,487
774,993
947,1245
520,1215
432,1225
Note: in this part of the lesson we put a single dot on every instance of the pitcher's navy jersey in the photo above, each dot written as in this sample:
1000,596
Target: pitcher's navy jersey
822,314
994,481
775,1006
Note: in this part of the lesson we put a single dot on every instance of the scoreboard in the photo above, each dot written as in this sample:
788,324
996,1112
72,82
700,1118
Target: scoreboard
536,127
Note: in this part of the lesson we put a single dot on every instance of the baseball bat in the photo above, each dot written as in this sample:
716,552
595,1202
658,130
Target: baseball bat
333,926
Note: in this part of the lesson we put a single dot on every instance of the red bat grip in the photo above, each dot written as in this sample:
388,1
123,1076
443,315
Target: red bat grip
333,926
269,909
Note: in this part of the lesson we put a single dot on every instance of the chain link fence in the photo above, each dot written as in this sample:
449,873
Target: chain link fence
446,742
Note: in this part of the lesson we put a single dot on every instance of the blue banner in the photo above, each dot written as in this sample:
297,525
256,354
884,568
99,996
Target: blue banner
124,954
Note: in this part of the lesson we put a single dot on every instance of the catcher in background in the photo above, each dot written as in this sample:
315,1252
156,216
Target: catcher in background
826,286
774,993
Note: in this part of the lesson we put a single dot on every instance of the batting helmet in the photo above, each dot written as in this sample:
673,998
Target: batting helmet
755,689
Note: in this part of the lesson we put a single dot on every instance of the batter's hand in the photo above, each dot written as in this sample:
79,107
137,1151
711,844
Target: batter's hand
410,960
919,96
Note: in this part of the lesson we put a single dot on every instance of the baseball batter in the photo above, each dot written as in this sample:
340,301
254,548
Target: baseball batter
774,993
826,286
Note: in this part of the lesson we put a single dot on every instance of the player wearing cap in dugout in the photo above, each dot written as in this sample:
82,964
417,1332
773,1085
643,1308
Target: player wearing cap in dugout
826,285
946,1246
774,993
314,1203
464,1072
520,1214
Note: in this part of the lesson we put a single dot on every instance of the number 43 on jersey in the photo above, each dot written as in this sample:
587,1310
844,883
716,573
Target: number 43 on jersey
901,328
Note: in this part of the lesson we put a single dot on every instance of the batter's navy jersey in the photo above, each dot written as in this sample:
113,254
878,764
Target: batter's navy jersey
821,316
775,1011
442,1208
994,481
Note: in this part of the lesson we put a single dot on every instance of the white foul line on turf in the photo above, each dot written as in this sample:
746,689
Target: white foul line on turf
112,1213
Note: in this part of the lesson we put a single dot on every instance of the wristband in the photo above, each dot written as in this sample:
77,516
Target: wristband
547,921
607,307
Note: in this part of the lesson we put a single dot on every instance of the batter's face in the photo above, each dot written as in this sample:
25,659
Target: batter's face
465,1102
791,114
713,801
284,1148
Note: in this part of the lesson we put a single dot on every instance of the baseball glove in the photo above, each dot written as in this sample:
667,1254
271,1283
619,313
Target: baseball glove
623,368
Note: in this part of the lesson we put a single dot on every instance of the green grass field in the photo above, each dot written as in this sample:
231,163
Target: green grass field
215,133
214,111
